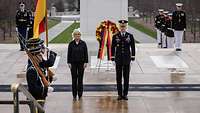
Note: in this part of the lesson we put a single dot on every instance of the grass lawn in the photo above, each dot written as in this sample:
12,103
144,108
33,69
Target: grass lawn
66,35
142,28
52,22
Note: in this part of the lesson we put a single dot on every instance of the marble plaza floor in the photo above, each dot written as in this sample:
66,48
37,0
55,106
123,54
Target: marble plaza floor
152,66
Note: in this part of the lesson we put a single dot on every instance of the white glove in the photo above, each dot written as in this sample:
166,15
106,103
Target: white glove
114,63
131,62
50,89
16,29
85,65
54,78
27,29
184,29
70,66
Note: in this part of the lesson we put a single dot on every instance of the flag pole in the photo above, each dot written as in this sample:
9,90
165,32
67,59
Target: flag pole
46,26
47,40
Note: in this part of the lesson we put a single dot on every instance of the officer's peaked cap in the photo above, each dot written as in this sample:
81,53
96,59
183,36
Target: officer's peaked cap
166,12
160,10
170,14
34,45
179,4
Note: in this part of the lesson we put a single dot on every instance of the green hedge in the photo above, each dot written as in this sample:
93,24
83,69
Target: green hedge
142,28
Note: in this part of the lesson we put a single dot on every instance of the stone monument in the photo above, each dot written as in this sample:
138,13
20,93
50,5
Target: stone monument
92,12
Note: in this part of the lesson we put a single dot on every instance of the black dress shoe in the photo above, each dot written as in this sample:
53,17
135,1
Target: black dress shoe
119,98
178,50
125,98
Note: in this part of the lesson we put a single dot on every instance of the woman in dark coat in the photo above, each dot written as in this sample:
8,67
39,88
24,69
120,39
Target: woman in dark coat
77,59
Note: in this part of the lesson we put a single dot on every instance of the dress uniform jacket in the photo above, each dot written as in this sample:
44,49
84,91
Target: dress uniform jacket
179,20
169,31
121,52
22,19
35,86
159,20
163,25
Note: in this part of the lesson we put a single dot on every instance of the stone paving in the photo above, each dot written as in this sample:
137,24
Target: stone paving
143,70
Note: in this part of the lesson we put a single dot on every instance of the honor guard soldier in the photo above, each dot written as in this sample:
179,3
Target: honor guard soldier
36,86
179,25
158,22
22,23
123,52
169,31
163,30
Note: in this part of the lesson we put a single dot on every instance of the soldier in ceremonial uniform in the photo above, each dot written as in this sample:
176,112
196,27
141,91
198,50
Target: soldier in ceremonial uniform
163,30
169,31
36,86
22,23
123,52
158,22
179,25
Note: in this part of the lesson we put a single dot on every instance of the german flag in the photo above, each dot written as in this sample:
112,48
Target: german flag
39,20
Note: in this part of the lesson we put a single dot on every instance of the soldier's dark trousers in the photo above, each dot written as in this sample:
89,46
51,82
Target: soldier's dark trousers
122,71
22,35
77,72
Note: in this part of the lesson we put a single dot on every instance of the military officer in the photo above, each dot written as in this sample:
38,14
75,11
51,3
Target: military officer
123,52
158,22
22,23
179,25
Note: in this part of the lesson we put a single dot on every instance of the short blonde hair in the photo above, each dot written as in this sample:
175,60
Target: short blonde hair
76,31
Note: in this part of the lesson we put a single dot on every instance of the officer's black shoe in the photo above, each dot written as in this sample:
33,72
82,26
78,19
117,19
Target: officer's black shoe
119,98
178,50
125,97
